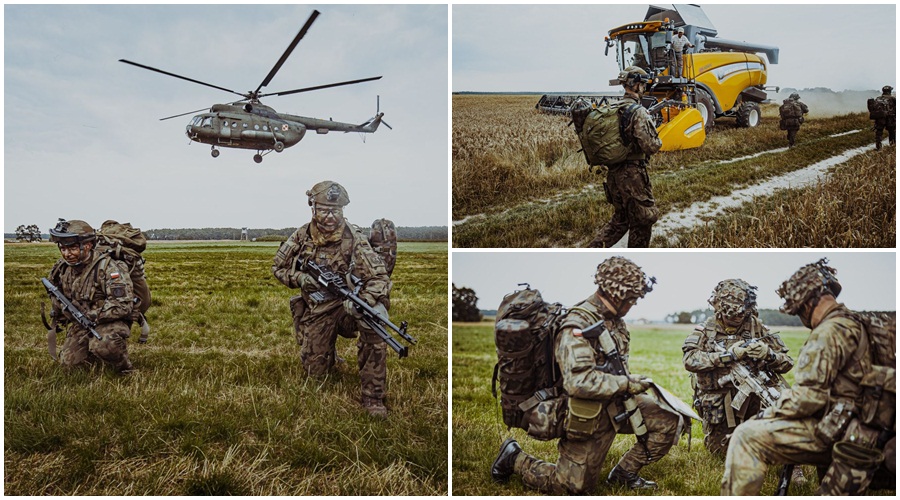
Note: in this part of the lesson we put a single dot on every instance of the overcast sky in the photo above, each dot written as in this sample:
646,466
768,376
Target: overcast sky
685,280
83,138
548,48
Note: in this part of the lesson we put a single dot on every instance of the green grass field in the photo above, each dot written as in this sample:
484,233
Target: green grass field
478,428
220,403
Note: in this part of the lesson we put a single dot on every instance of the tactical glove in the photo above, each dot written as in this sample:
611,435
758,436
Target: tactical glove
307,283
739,352
758,350
350,308
638,384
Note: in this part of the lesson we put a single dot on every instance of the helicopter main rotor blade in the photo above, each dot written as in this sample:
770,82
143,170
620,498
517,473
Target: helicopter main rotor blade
179,76
319,87
183,114
288,51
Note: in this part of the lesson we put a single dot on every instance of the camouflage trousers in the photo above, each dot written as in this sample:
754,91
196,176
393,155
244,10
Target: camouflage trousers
880,126
757,444
792,135
628,189
717,433
580,461
80,347
317,334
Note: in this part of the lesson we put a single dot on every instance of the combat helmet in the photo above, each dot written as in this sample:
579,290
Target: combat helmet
887,89
733,298
328,193
633,75
794,96
622,279
810,281
72,232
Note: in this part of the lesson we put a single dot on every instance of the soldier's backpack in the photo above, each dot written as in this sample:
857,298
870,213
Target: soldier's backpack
602,135
790,109
524,334
383,239
125,243
879,386
879,108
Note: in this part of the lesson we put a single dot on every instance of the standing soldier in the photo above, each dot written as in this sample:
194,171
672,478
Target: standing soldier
332,242
791,112
816,421
627,184
596,397
883,109
100,288
735,334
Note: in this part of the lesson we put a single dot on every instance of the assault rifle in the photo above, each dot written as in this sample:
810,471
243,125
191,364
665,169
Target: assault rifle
334,287
67,305
615,365
751,381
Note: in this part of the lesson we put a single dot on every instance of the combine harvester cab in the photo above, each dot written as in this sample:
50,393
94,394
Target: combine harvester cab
722,78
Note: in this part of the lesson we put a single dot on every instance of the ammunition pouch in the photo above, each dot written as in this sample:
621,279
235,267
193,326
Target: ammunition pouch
583,418
712,407
851,471
832,426
879,398
544,414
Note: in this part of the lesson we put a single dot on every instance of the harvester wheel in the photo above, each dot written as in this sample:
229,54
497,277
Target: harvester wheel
748,115
707,109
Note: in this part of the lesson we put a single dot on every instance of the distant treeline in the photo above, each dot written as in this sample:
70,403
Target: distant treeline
421,233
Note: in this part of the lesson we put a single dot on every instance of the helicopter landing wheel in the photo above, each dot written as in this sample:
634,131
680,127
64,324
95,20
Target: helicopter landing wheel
214,153
279,146
257,158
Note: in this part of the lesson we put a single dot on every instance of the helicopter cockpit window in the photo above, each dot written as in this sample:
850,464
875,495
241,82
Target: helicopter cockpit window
195,120
207,121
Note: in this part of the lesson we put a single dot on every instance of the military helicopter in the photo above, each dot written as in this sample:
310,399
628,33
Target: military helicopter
249,124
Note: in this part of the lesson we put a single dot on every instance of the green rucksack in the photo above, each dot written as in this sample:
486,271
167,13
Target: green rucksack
383,239
125,243
524,334
879,389
879,107
602,134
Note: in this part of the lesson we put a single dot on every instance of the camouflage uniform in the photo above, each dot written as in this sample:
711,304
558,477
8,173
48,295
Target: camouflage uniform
317,324
101,288
627,185
581,453
816,413
792,125
889,122
706,356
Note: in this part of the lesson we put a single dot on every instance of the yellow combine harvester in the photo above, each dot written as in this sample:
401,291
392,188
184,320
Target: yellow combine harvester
722,78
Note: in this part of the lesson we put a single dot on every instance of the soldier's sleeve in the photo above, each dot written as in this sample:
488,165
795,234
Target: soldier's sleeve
370,268
804,107
581,378
695,358
825,352
644,133
119,291
283,266
780,361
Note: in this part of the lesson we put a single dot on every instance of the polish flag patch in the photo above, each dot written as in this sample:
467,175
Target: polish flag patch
114,275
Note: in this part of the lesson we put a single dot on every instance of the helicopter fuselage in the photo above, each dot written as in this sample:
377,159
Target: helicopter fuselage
256,127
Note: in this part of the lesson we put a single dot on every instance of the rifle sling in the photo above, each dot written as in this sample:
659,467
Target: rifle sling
729,411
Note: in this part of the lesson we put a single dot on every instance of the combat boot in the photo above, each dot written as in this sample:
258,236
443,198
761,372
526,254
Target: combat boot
504,464
125,367
619,476
878,145
375,406
797,477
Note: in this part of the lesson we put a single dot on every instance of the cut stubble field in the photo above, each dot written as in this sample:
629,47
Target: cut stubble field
220,403
519,180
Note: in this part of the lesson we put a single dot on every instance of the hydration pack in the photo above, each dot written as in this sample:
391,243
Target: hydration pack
524,333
